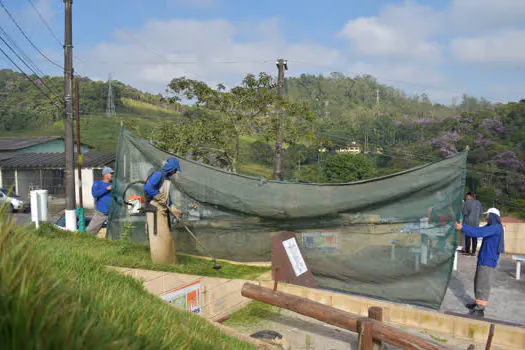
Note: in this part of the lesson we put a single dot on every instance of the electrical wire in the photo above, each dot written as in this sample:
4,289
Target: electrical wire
25,59
27,37
27,76
45,23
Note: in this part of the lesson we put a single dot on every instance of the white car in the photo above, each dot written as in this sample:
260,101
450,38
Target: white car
14,201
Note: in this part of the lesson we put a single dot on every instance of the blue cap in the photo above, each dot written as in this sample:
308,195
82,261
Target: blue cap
170,166
107,170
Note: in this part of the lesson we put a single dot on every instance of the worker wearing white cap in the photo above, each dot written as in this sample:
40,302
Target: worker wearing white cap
101,191
488,257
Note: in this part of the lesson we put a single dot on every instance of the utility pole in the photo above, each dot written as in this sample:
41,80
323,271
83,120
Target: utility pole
69,174
282,65
377,96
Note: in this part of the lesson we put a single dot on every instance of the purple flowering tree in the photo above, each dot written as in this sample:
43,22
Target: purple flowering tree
446,143
495,127
507,160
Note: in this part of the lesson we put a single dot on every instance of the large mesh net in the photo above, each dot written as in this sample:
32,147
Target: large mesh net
391,237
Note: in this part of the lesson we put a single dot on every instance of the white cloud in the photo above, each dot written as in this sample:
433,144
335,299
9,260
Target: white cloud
398,32
206,50
487,15
504,47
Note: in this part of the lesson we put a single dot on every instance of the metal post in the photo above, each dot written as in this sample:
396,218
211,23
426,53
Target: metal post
81,217
79,150
69,173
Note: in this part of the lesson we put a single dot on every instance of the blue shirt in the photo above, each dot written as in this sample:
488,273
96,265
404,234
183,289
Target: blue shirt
490,248
102,196
152,186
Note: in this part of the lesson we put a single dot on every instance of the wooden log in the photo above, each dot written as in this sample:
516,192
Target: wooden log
491,335
336,317
365,340
376,313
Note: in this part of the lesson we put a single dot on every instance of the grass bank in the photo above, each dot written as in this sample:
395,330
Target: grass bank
64,298
134,255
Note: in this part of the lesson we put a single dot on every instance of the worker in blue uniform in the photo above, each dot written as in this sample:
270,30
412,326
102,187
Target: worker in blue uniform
158,208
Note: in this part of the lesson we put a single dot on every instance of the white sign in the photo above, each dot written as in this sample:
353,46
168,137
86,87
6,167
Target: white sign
295,257
187,297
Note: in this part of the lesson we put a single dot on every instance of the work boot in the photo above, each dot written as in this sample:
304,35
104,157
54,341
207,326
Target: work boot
477,311
470,306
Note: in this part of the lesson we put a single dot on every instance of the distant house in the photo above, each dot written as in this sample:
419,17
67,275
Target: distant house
352,148
28,171
43,144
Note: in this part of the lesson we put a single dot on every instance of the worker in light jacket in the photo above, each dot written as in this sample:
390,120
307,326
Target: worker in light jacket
158,208
488,257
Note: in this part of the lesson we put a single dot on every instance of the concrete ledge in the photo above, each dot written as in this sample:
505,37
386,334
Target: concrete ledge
220,297
507,337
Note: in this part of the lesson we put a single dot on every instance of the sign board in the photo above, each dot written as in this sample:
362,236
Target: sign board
187,297
288,262
295,257
319,240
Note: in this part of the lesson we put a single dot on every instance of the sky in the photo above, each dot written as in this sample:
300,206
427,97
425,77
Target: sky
443,48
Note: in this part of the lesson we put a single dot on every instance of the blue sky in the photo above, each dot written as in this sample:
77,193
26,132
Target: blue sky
442,48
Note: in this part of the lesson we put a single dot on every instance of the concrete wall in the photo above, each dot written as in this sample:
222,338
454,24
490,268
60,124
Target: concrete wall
87,183
515,239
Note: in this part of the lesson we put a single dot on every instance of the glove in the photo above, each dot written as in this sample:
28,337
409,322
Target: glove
175,212
162,199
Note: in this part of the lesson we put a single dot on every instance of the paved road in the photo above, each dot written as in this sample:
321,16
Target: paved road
507,295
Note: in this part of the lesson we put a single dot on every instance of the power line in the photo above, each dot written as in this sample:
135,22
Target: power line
25,59
45,23
28,66
27,76
27,37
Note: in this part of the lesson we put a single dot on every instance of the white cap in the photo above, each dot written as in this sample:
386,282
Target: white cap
493,211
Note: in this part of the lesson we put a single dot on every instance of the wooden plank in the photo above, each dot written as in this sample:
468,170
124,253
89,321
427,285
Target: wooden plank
336,317
376,313
365,341
491,335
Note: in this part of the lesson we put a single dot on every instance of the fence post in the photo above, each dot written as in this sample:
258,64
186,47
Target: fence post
365,330
491,335
376,313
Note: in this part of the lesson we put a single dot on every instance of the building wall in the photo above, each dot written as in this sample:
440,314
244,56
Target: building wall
26,180
51,147
87,182
515,238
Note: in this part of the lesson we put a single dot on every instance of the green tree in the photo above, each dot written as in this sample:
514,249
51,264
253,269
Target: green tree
347,168
244,110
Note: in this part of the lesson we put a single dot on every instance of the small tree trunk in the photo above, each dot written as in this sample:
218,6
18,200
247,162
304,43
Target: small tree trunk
236,153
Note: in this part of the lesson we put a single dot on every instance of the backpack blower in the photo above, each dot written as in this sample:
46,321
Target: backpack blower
136,207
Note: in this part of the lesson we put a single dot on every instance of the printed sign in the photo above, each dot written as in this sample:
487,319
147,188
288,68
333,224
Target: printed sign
295,257
319,240
187,297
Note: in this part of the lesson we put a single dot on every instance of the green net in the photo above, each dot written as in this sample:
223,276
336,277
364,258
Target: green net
390,237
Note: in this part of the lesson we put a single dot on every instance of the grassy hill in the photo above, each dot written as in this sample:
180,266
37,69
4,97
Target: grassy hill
100,131
58,294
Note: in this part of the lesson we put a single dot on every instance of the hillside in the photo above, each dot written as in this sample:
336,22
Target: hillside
80,304
25,110
409,130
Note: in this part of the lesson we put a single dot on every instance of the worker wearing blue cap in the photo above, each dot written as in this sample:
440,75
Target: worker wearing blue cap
157,190
101,191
